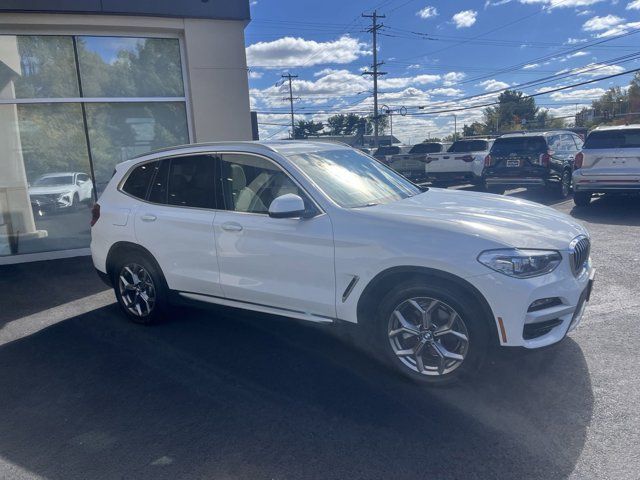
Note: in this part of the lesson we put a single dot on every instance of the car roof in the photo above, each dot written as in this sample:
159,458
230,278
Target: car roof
58,174
616,127
284,147
526,133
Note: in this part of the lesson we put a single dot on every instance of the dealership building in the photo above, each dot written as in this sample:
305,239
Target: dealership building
85,84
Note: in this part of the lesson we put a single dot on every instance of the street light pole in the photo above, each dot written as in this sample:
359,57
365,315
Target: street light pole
389,113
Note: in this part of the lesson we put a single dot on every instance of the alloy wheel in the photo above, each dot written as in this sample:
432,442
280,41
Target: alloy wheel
428,336
137,290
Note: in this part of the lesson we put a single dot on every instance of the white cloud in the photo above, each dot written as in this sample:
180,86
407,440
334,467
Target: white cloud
446,92
584,13
465,18
551,4
290,52
596,70
584,94
596,23
574,41
619,29
413,66
493,84
530,66
427,12
495,3
635,5
451,78
254,74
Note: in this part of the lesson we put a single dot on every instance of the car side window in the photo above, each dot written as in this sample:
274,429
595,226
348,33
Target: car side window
137,184
158,192
191,181
250,183
579,142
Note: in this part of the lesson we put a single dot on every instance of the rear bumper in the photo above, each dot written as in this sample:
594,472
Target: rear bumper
515,181
605,183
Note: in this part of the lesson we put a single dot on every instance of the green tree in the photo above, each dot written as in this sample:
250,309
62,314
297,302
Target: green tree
513,107
307,128
476,128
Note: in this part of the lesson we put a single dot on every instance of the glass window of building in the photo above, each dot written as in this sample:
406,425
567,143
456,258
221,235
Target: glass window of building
128,99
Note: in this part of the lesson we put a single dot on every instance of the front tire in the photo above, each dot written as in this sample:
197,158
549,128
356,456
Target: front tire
140,288
432,334
582,199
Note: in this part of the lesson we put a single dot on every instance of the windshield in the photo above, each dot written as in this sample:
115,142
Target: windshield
426,148
505,146
352,179
54,181
614,139
463,146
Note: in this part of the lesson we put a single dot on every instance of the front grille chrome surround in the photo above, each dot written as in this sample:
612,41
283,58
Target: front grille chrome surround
579,250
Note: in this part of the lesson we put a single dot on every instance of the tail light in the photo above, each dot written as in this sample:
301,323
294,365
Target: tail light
577,162
95,214
488,161
545,159
467,158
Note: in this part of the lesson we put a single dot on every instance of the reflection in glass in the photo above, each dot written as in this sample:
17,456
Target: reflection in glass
37,66
119,131
130,67
45,188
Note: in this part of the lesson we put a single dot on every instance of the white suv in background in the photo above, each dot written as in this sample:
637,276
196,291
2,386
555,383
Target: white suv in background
324,233
609,162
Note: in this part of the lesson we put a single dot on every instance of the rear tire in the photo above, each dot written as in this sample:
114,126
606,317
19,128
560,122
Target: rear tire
582,199
564,189
442,327
140,288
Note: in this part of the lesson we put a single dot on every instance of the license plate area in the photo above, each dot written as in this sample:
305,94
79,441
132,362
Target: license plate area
513,163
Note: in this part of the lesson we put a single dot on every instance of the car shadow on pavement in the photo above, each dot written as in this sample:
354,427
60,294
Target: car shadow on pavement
29,288
226,394
611,210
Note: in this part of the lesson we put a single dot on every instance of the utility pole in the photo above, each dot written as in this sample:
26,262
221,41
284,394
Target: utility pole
375,26
455,127
288,76
389,113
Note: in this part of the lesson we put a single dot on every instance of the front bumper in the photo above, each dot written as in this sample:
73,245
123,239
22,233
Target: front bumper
510,299
605,183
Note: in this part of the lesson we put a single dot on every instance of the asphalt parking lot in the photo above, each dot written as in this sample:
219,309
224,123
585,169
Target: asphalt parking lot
228,395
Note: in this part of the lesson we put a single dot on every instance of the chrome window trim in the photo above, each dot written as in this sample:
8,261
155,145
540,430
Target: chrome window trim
125,177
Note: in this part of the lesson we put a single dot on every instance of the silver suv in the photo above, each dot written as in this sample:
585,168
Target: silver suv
609,162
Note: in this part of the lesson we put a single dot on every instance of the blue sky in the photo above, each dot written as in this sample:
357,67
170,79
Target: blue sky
435,53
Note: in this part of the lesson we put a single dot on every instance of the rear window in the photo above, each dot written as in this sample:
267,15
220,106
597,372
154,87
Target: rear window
426,148
463,146
387,151
613,139
138,182
505,146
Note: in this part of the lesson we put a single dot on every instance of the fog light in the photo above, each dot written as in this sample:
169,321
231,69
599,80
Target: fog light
544,303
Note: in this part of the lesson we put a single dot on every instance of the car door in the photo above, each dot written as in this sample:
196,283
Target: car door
282,263
175,223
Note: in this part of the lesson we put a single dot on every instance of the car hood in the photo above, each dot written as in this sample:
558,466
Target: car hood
504,220
60,189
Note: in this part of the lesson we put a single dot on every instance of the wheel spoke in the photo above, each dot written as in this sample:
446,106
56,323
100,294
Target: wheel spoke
134,277
406,323
460,335
442,352
400,330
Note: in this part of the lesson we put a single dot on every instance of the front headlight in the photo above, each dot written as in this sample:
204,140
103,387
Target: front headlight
521,263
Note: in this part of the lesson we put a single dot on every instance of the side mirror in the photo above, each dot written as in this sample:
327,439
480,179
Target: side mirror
289,205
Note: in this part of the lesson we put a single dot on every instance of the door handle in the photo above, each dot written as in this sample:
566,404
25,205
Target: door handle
232,227
148,218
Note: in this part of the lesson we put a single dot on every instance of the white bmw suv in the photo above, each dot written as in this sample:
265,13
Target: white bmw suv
324,233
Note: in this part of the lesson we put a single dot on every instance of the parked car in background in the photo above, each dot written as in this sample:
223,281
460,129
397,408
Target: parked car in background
609,162
324,233
532,159
463,162
412,164
62,191
385,152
